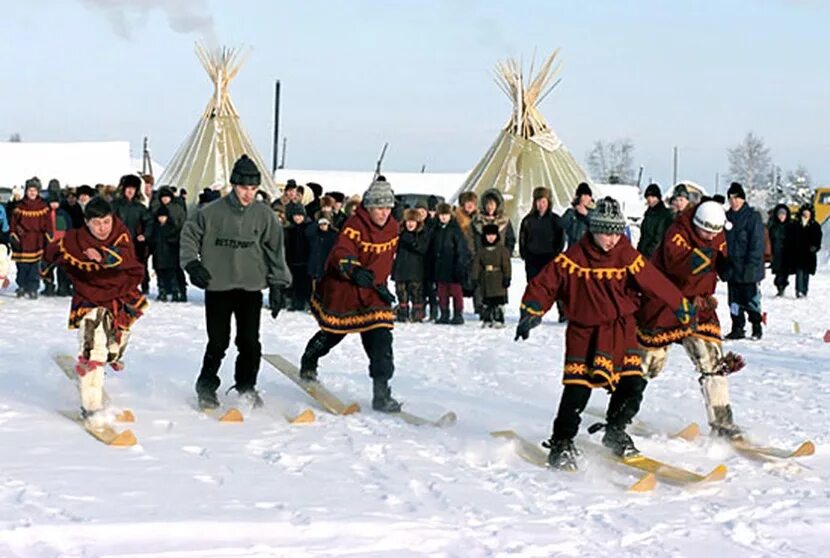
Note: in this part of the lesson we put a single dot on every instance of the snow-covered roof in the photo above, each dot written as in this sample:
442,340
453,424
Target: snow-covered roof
72,163
356,182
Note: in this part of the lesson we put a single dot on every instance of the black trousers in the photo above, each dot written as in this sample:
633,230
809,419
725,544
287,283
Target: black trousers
744,298
300,287
168,282
377,343
622,407
535,263
246,308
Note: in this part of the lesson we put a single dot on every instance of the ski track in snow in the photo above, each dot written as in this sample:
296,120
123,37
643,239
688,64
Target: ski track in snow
370,485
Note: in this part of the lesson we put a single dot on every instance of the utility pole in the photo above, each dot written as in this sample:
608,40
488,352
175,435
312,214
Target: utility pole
674,168
717,183
276,146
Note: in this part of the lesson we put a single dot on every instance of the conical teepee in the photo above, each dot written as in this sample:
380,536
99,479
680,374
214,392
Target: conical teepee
206,158
526,154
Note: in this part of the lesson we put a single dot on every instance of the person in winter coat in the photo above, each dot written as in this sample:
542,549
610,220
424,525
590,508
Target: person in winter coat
491,211
408,270
492,273
780,229
449,259
599,279
130,210
73,208
165,246
321,239
465,214
178,216
679,200
656,222
692,256
805,244
575,219
745,241
28,236
353,297
59,223
541,238
100,260
297,253
4,248
233,249
427,215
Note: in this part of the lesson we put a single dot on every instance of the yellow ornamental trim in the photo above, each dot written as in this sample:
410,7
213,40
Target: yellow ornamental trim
679,240
372,247
632,360
664,338
607,273
32,213
75,262
603,363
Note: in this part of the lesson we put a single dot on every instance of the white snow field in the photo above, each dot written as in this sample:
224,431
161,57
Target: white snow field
371,485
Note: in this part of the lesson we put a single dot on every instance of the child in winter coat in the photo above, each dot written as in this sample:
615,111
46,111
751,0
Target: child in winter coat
599,279
321,240
491,273
297,255
450,260
165,249
29,230
101,262
408,270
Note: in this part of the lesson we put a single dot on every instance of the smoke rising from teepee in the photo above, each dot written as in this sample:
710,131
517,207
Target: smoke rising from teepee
183,16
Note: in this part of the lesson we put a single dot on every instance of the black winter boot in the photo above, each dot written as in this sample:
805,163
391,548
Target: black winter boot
48,289
562,454
618,441
444,318
757,331
207,399
457,318
402,313
735,335
382,399
433,312
308,369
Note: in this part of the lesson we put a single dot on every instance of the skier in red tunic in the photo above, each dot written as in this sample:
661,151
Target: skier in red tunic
598,280
100,260
352,296
692,254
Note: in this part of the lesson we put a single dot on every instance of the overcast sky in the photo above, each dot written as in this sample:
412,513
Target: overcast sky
696,74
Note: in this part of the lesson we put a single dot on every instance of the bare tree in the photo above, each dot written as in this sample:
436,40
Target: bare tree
15,138
612,161
750,164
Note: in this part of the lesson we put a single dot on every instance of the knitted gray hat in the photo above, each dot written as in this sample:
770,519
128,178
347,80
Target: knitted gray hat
245,173
379,194
607,217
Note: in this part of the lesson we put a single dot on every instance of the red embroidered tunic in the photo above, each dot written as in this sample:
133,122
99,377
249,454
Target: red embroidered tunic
339,305
112,283
600,291
30,225
690,262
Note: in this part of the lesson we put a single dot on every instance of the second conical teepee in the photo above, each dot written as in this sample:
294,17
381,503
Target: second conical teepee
206,158
526,154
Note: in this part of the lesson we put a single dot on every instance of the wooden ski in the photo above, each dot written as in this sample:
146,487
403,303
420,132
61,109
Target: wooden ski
535,455
689,433
67,364
104,433
761,452
316,390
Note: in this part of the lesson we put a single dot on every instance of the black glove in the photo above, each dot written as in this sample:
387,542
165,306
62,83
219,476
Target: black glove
505,282
527,321
385,294
199,276
275,301
363,277
15,244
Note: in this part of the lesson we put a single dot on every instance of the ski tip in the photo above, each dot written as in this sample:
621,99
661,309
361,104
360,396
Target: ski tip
449,419
351,409
646,483
124,439
507,434
805,449
306,417
125,416
690,433
717,474
232,415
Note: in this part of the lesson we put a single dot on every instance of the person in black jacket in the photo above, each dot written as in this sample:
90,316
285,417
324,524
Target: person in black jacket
541,237
656,221
779,227
321,237
745,264
164,246
130,209
805,244
450,259
297,255
408,269
575,219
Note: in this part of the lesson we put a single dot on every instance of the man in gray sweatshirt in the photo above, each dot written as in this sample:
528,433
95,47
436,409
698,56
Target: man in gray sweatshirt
233,249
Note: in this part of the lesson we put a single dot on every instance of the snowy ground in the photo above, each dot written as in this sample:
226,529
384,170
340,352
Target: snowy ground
370,485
